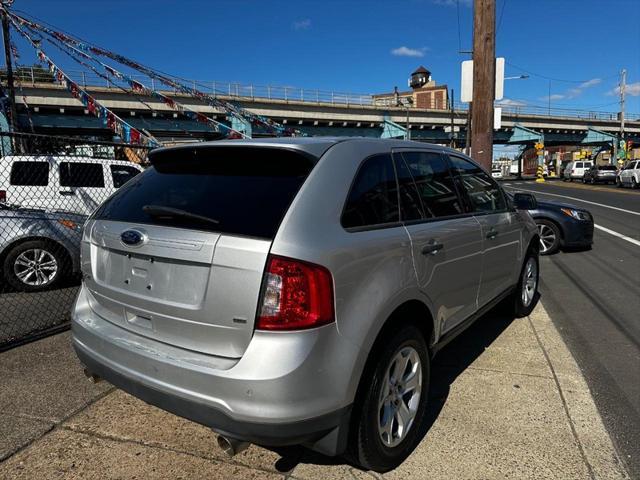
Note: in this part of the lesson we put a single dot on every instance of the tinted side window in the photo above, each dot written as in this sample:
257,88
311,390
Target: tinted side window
30,173
579,165
77,174
435,183
373,199
122,174
484,194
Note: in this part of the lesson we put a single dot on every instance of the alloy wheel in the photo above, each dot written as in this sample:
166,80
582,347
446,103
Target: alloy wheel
35,267
547,236
400,396
529,281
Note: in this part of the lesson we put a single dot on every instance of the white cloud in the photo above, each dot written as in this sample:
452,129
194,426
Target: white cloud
632,89
555,96
408,52
590,83
508,102
453,3
303,24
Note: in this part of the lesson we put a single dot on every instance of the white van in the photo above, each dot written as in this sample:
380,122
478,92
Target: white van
575,170
72,184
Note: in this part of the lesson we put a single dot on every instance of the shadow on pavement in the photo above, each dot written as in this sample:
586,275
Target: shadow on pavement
27,316
446,367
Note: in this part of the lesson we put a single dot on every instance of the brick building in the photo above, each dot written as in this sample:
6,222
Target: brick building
424,93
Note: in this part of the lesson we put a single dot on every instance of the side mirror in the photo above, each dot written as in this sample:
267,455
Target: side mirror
524,201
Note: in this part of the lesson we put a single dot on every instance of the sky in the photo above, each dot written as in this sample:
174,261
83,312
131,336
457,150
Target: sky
574,49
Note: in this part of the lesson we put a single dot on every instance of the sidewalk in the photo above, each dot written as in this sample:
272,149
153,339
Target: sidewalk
508,401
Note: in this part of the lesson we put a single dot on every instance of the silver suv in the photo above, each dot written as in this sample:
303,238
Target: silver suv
293,291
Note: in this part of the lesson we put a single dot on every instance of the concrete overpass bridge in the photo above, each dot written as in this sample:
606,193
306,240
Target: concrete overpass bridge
46,107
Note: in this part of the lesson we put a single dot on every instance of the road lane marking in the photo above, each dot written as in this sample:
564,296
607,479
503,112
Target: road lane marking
578,200
619,235
590,187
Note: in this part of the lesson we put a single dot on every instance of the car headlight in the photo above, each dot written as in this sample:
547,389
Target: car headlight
70,224
577,214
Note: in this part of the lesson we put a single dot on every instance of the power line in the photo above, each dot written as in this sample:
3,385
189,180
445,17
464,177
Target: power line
459,37
564,80
504,3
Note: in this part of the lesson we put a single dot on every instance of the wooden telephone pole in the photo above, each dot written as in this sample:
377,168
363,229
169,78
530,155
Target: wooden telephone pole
484,75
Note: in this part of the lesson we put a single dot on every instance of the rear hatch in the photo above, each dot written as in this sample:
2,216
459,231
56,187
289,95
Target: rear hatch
178,253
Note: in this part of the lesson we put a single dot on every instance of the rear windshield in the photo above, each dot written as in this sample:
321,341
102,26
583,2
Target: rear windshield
607,167
243,191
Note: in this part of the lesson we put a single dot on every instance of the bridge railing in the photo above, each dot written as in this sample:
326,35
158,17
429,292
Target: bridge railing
34,75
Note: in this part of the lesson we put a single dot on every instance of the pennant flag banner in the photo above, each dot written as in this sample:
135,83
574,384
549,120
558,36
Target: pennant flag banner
227,107
128,133
136,86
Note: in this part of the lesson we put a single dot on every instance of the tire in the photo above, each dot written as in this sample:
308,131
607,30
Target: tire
34,266
522,306
550,236
384,450
593,181
634,183
618,183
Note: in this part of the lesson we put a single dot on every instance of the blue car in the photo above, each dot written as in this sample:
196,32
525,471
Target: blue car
561,225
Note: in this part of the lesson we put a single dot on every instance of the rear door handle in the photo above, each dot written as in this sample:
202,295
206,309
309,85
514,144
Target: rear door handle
67,193
432,248
492,233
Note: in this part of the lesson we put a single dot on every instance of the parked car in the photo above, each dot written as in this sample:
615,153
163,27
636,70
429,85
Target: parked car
293,291
496,172
575,170
600,174
630,175
561,225
38,249
74,184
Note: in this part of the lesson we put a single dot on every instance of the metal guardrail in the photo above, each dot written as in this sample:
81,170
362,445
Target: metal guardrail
32,76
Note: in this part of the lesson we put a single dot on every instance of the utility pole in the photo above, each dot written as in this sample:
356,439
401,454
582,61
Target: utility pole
484,75
452,144
13,121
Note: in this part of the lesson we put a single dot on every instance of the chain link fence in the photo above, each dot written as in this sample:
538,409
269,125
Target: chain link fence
48,187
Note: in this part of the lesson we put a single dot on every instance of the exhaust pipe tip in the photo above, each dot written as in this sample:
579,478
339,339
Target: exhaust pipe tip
93,378
231,446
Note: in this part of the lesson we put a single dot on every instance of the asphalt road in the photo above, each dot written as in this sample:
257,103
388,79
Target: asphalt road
593,297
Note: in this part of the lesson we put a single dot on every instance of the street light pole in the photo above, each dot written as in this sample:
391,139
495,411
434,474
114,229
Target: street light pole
453,134
623,86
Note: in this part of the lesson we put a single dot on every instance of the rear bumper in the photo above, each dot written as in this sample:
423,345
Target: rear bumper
283,391
289,433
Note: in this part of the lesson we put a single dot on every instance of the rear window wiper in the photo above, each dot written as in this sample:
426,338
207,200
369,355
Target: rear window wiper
160,211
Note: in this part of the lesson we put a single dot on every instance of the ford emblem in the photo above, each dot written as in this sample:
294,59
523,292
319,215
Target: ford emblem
132,238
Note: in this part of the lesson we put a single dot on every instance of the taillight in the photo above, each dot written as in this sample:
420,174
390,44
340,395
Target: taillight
3,195
295,295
